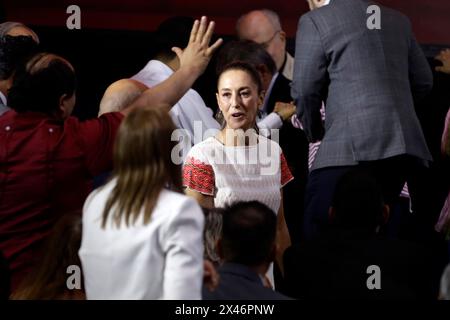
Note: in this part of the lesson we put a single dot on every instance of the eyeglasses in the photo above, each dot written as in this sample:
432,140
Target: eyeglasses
267,43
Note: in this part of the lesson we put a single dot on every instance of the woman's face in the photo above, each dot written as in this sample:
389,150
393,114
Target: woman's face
238,99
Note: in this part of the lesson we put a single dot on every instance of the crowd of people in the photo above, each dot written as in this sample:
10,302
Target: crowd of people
160,198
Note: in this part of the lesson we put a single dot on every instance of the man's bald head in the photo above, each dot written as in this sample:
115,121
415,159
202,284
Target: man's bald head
42,61
46,83
120,95
15,29
264,27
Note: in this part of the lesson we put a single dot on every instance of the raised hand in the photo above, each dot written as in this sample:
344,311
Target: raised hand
193,61
198,53
444,57
285,110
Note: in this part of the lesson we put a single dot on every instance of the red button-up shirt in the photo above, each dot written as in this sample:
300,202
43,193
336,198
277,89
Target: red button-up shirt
46,170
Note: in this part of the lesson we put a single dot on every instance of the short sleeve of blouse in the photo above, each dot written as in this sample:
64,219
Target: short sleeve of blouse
286,175
198,174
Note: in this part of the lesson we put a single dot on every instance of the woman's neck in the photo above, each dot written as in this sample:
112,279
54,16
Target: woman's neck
237,137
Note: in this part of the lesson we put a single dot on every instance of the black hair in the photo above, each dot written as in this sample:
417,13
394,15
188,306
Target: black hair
13,52
358,201
248,233
39,84
247,51
173,32
246,67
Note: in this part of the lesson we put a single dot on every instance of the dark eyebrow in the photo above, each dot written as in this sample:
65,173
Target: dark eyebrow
240,89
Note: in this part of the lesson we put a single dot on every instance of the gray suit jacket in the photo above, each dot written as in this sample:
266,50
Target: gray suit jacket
368,79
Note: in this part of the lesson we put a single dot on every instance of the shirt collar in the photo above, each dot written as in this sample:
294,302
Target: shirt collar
241,271
269,90
3,98
326,2
156,66
163,67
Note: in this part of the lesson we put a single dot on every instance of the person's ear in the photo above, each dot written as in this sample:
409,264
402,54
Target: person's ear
261,97
61,106
283,36
65,106
386,213
219,104
9,82
331,214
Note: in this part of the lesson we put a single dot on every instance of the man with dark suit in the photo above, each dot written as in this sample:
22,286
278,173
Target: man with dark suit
352,260
369,79
246,247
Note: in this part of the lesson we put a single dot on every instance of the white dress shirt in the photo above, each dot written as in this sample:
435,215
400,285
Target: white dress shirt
3,101
288,68
267,122
160,260
190,112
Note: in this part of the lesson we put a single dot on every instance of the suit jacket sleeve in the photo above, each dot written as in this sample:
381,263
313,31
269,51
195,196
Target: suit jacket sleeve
420,75
310,78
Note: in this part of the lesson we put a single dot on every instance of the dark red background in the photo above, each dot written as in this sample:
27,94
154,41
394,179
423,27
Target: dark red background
430,18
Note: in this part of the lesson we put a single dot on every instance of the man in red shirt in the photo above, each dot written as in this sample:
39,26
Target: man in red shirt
48,158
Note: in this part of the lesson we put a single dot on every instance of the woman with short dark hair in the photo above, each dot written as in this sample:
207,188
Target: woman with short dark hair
238,164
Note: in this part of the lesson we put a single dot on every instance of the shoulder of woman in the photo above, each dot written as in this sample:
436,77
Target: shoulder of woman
201,150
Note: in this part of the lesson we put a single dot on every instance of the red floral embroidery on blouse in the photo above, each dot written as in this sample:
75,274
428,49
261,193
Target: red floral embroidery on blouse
198,176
